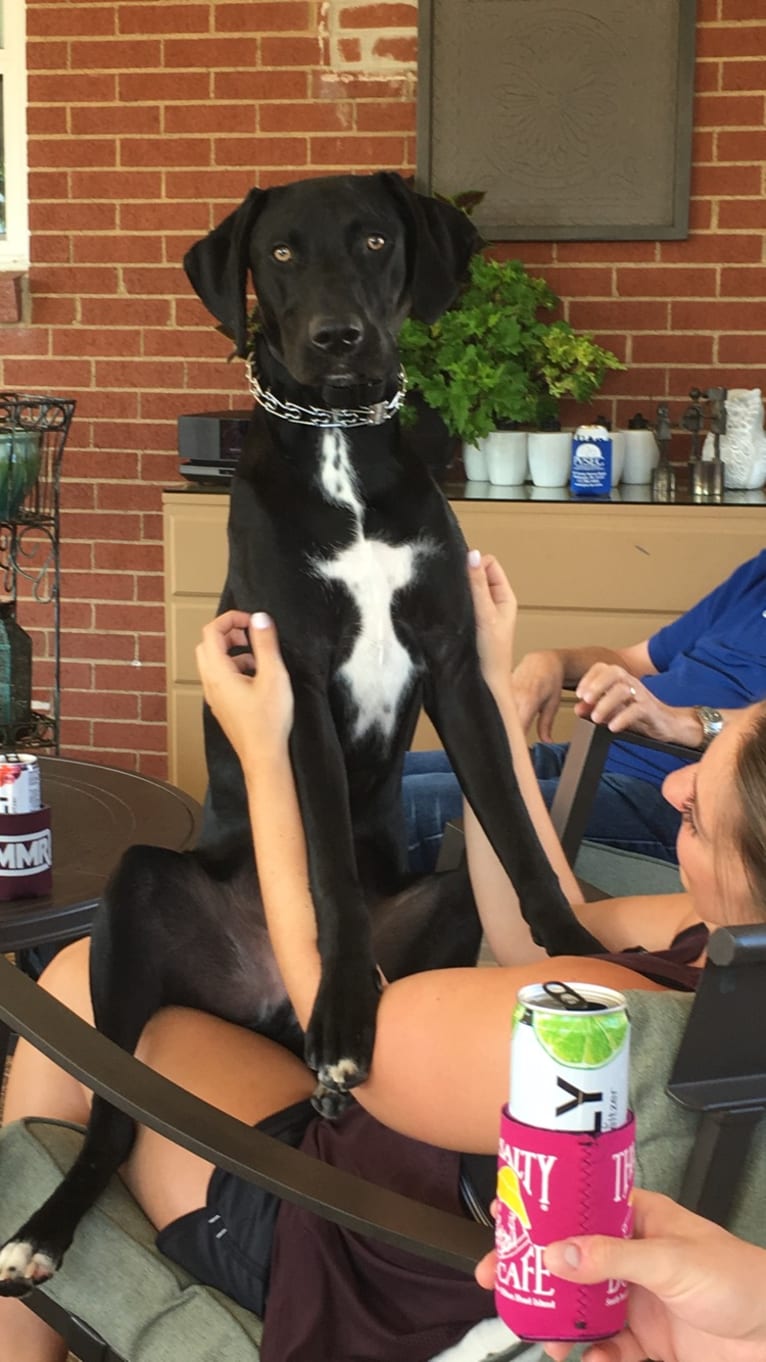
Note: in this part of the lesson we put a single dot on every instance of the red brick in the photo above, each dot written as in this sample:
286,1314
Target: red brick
47,56
76,739
707,76
88,341
92,525
284,51
260,151
749,74
52,248
99,586
356,151
76,614
738,11
123,557
350,50
72,88
254,86
121,496
116,185
51,375
730,40
360,85
166,279
104,705
743,282
69,21
749,349
153,764
119,54
163,87
395,116
125,312
165,217
713,248
102,463
711,181
146,737
72,217
620,315
307,117
76,676
50,121
115,119
742,146
153,709
210,118
165,151
149,588
728,110
122,249
739,213
73,152
210,53
724,316
581,282
602,252
636,382
396,49
115,647
672,349
141,677
378,16
294,16
658,282
164,18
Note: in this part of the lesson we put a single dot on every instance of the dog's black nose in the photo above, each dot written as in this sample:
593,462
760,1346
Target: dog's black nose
336,335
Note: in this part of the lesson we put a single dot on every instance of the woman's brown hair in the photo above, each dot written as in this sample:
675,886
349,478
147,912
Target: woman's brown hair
750,832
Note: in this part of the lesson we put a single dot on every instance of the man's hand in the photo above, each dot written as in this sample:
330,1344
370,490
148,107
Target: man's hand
537,683
612,696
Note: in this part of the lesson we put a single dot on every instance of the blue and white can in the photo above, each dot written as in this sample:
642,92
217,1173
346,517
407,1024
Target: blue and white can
591,461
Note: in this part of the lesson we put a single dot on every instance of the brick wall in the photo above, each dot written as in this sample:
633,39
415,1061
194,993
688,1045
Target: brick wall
147,123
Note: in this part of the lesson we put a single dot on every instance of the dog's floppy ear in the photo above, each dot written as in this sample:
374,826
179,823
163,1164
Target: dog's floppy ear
440,242
217,267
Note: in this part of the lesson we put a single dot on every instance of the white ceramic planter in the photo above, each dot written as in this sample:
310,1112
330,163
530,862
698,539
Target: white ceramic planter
506,455
618,456
475,463
550,457
641,457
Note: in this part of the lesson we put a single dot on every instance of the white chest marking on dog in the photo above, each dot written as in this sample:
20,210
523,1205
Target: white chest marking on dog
379,670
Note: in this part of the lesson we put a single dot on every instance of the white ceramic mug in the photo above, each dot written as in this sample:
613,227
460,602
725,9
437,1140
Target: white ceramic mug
506,455
619,445
550,457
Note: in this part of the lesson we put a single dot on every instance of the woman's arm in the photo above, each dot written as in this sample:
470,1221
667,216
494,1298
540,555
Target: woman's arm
650,921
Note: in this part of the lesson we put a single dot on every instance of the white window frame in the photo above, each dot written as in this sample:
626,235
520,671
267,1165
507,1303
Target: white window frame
14,245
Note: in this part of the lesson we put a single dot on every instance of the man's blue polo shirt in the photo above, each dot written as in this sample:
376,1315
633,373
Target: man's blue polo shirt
715,655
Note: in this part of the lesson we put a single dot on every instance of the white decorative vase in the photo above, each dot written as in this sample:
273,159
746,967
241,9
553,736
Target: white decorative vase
619,445
550,457
506,454
474,462
743,447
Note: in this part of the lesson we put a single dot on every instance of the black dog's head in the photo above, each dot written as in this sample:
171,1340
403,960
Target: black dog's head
337,264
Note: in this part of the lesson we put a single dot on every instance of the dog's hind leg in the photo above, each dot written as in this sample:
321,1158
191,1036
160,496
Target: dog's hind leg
128,987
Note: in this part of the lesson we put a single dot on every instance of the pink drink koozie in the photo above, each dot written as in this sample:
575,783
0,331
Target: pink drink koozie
552,1184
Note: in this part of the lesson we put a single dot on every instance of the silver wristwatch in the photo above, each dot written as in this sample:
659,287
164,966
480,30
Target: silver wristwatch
711,721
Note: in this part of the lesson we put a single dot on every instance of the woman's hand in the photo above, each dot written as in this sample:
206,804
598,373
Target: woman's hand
696,1292
495,609
249,694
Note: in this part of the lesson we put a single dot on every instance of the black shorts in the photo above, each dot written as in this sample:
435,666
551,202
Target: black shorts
227,1242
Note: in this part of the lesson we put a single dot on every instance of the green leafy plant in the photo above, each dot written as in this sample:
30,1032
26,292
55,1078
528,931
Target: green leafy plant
493,361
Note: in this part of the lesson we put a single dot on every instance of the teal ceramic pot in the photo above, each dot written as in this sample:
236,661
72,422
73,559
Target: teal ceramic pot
19,469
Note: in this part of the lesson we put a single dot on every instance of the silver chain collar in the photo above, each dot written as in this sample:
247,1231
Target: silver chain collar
324,417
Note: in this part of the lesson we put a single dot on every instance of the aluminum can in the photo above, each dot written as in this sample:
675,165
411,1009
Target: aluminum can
570,1049
19,783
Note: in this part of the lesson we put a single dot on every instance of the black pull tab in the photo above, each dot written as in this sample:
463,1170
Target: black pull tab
570,999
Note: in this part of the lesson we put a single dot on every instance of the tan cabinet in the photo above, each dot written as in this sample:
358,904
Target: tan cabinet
610,574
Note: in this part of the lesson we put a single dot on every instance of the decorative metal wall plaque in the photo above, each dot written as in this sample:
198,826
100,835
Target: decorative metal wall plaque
574,116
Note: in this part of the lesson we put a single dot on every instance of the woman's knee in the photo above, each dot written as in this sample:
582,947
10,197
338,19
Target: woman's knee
66,978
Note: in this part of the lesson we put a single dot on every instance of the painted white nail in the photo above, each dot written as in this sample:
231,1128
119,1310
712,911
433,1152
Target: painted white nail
260,620
474,557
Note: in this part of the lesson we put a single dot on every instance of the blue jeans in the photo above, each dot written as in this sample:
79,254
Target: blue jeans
627,813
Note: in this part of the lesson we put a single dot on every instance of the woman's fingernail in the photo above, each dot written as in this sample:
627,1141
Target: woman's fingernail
474,557
260,620
572,1255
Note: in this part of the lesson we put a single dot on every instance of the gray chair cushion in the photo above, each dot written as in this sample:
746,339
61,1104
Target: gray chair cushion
621,873
145,1307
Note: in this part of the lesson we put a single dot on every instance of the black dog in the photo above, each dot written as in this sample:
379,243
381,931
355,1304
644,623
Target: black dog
338,531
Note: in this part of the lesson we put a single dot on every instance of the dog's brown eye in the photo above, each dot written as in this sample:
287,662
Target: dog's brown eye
376,242
282,254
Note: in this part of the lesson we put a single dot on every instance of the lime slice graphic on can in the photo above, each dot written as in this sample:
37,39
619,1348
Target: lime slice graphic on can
588,1043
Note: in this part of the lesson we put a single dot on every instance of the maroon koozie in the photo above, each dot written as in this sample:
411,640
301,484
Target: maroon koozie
552,1184
25,854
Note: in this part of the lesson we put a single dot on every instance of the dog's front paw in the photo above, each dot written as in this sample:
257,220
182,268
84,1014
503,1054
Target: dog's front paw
341,1032
329,1102
23,1267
